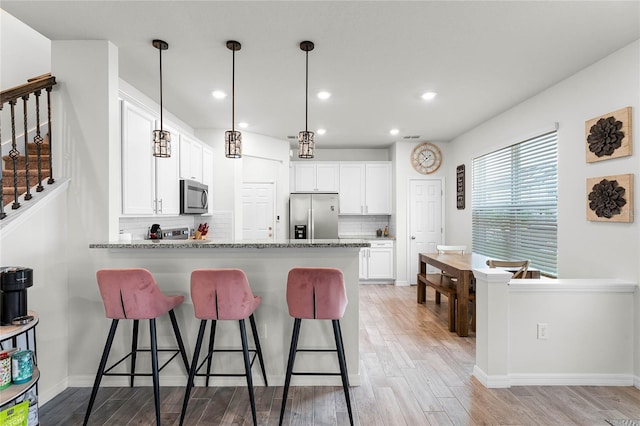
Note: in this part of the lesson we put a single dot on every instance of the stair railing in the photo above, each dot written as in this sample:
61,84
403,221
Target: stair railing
34,86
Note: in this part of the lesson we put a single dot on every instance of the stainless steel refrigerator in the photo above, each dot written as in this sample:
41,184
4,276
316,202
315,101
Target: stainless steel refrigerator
313,216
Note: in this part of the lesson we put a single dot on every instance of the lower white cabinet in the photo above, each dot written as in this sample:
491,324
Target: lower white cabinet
376,262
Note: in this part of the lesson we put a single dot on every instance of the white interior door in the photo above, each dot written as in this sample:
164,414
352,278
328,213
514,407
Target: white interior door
425,221
257,211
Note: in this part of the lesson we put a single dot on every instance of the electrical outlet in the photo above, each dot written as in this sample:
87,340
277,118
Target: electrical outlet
543,331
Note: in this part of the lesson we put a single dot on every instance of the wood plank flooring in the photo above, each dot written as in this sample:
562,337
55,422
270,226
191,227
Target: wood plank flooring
413,372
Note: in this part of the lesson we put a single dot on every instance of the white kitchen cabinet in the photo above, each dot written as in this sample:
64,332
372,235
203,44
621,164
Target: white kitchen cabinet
207,171
376,262
149,184
365,188
315,176
167,200
190,158
138,163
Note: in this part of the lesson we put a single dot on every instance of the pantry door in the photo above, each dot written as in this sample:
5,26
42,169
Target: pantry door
258,211
425,221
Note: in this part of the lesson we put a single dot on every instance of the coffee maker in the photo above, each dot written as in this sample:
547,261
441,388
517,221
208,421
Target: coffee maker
14,281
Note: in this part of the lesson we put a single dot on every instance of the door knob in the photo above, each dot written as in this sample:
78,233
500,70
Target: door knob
413,237
269,228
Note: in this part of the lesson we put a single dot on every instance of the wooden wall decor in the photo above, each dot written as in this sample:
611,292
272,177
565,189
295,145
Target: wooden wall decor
610,198
608,136
460,187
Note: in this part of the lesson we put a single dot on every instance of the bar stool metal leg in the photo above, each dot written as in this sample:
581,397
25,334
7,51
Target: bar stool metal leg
154,368
212,338
256,339
103,363
192,370
247,368
290,362
176,331
343,365
134,351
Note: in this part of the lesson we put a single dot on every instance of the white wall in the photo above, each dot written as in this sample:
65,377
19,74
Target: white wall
585,249
403,174
38,240
25,52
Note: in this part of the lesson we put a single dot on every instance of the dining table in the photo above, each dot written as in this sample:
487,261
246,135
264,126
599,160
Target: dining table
459,266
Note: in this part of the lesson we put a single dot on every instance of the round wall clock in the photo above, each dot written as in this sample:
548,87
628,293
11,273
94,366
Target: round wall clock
426,158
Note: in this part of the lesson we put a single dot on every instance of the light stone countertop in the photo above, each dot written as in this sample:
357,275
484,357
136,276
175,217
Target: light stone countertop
226,244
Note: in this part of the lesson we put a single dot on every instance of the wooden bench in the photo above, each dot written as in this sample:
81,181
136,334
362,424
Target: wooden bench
435,281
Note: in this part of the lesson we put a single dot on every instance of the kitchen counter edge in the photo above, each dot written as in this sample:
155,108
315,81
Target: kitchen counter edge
206,244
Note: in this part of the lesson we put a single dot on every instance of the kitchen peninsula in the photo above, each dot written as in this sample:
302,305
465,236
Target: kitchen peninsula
266,265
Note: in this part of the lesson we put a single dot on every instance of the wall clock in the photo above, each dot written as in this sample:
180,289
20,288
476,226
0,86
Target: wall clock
426,158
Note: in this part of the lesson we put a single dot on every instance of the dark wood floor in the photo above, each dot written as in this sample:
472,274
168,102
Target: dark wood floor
413,372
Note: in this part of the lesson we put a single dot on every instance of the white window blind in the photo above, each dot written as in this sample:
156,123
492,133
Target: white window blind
514,203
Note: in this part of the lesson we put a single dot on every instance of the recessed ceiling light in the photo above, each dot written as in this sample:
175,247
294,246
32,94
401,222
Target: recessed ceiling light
324,95
243,125
427,96
321,131
394,131
218,94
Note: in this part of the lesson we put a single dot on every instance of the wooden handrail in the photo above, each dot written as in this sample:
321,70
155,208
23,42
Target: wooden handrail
42,82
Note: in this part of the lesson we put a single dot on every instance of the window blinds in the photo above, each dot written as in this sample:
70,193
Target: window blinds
515,203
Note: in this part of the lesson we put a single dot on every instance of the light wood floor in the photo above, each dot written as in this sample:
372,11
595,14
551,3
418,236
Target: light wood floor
413,372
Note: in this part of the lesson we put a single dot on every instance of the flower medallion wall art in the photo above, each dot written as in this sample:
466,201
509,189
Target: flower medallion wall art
610,198
609,136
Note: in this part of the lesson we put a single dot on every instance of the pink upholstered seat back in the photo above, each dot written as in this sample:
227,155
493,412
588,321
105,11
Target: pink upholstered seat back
133,294
222,294
316,293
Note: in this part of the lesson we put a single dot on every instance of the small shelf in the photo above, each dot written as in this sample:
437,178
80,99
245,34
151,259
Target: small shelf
9,331
14,391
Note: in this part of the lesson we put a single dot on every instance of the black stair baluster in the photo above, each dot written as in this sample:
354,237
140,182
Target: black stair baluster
14,154
38,141
28,195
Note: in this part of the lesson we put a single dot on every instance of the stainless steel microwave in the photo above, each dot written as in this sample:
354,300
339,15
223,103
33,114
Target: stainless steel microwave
194,197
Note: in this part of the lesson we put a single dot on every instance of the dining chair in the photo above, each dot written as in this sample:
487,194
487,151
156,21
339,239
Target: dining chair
442,249
523,266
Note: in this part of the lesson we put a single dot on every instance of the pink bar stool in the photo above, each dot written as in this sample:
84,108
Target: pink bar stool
133,294
320,294
223,294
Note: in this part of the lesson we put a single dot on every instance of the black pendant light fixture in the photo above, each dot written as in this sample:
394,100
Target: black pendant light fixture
233,138
306,144
161,138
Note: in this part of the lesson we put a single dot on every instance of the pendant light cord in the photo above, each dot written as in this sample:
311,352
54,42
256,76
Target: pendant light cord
233,92
161,128
306,93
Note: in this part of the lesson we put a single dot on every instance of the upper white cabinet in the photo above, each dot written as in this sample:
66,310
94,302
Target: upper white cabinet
207,171
138,163
190,158
365,188
315,177
167,201
150,185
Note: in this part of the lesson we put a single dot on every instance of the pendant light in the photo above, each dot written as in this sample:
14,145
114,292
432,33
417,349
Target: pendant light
232,138
161,138
306,144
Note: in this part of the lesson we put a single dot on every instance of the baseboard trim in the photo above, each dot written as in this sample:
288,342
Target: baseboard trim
505,381
45,395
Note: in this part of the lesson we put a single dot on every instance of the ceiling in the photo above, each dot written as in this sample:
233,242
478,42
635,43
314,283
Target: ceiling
375,58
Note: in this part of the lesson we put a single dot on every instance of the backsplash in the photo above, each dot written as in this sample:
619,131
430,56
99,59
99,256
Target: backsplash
220,224
356,226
